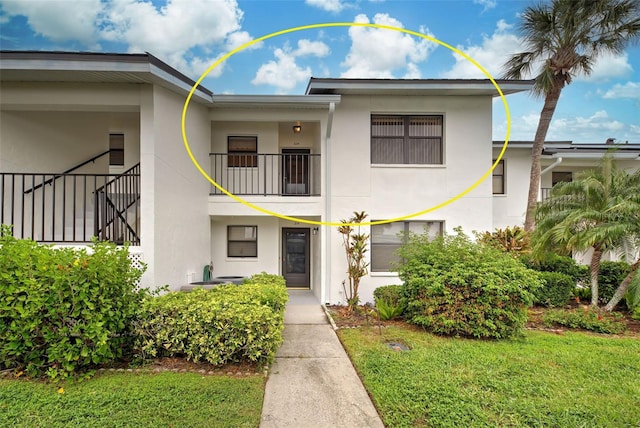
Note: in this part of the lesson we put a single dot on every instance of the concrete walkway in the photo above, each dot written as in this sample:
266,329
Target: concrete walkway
312,382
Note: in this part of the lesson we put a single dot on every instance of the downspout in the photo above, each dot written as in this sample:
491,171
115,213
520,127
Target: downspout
550,167
327,205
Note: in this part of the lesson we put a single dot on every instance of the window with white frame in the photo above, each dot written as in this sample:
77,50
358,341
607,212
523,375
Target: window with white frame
498,178
387,238
412,139
242,241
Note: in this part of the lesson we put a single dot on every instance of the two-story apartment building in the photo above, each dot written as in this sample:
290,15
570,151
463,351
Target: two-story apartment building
91,145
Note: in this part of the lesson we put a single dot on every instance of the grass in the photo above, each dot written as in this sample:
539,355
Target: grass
134,400
544,379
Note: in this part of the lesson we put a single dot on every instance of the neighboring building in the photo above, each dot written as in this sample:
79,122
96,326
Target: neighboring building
387,147
561,161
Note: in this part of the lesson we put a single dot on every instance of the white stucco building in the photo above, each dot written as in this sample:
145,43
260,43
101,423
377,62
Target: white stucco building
387,147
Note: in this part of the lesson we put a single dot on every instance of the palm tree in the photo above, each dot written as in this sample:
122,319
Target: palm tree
562,39
599,210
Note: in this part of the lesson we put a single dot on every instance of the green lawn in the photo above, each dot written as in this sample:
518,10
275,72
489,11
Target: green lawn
135,400
569,380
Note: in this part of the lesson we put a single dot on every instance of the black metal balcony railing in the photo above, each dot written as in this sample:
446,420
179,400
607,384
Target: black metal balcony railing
263,174
55,207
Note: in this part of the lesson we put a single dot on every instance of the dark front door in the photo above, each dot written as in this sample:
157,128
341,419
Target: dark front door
295,257
295,171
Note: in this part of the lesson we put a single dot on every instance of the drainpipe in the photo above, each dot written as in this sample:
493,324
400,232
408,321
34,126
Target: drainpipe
327,206
550,167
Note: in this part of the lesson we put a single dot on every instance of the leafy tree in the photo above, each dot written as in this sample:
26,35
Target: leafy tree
563,38
355,245
599,210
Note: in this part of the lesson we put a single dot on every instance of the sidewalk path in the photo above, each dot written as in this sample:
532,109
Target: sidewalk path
312,382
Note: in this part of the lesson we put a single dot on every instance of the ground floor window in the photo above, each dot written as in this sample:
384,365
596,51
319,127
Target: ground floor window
242,241
387,238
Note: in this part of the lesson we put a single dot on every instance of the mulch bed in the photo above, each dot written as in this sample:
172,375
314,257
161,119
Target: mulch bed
364,316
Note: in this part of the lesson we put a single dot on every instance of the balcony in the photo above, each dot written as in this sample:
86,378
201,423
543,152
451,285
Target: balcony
295,173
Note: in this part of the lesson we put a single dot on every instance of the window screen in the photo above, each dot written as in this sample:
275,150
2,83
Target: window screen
406,139
387,238
242,241
242,151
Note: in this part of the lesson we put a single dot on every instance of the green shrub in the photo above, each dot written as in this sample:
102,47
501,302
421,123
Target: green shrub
389,301
64,310
551,262
556,291
591,319
389,293
636,313
609,278
229,323
454,286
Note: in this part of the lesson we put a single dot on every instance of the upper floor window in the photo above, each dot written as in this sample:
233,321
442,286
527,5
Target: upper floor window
387,238
242,151
498,178
407,139
116,149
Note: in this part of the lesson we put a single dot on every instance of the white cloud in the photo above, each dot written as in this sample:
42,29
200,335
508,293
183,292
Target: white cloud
494,51
308,47
591,129
488,4
172,32
607,67
628,90
284,73
328,5
377,53
176,27
59,21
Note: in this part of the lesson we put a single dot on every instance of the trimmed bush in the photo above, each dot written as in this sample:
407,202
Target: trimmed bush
551,262
64,310
586,318
454,286
388,301
556,290
609,278
230,323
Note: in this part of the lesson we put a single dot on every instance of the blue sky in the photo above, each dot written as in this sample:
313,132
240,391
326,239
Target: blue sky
191,34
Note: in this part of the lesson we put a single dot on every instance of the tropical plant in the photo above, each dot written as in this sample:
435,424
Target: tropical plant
510,239
563,38
599,210
355,245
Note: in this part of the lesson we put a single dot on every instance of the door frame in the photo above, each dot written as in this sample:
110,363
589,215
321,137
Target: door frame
307,274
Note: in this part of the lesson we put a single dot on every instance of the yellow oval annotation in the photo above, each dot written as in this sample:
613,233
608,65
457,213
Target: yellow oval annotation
343,24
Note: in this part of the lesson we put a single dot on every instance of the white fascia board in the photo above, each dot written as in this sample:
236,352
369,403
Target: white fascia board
308,101
480,86
597,155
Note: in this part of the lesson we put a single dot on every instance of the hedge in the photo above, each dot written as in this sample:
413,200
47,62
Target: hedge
230,323
64,310
557,289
